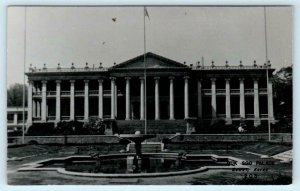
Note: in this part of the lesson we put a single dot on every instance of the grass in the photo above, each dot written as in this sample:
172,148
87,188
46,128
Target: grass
277,174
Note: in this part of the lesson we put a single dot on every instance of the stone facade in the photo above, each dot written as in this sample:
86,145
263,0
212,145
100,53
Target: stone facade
173,91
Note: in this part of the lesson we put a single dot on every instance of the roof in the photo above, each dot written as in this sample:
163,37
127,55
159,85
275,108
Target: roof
152,61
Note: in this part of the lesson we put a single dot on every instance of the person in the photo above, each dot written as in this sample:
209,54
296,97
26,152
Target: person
241,129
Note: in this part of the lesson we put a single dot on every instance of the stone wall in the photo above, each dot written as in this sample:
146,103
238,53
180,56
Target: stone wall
104,139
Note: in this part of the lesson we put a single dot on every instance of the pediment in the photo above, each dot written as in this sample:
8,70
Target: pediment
152,61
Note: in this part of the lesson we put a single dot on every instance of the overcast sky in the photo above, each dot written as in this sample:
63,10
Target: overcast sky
115,34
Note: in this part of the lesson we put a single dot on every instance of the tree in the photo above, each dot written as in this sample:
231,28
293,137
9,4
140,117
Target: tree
15,95
283,96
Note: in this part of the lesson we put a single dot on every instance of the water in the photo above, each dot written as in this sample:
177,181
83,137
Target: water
130,164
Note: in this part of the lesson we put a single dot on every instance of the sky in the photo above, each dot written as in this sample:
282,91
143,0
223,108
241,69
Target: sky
115,34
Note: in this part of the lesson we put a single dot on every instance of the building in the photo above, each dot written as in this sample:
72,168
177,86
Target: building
15,118
175,92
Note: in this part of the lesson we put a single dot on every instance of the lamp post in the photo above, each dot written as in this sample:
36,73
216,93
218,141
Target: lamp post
269,124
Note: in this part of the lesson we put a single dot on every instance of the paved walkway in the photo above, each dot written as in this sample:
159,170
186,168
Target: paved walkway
286,156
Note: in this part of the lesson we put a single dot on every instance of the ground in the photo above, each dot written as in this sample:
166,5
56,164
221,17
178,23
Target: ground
280,173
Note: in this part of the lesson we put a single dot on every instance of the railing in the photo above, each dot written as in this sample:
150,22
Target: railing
51,92
206,91
79,92
21,121
10,121
106,116
119,93
51,118
249,115
264,116
94,92
263,91
65,93
235,91
235,115
249,91
36,93
107,92
221,115
103,69
79,117
65,118
36,118
220,91
229,67
32,70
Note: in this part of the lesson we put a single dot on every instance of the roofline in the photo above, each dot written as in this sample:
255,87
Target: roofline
149,54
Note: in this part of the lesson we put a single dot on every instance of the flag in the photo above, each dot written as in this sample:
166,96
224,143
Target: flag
146,13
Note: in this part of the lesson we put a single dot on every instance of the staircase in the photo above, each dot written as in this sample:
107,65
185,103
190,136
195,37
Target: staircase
285,157
149,147
153,126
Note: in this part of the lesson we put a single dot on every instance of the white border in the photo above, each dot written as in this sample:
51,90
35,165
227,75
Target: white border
296,76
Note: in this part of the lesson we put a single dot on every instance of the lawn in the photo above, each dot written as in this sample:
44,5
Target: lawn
280,173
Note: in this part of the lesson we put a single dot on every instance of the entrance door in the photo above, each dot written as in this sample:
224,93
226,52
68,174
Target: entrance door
135,110
164,110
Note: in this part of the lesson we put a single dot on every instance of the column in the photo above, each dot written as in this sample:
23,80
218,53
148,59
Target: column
112,88
38,103
86,100
44,101
186,97
34,102
127,98
142,99
199,87
29,103
171,98
213,98
57,100
15,118
72,100
227,100
116,100
38,109
33,108
256,103
242,98
270,101
100,99
157,112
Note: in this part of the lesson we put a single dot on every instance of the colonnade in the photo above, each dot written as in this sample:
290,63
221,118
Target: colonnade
40,109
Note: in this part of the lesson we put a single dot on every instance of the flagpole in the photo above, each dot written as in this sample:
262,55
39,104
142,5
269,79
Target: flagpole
23,99
145,80
267,70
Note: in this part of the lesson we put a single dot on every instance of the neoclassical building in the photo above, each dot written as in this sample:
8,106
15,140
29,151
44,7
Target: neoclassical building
174,92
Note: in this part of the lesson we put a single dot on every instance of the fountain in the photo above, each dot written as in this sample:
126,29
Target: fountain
132,165
137,138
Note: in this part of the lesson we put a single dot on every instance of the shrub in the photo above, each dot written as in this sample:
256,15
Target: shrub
69,128
94,126
41,129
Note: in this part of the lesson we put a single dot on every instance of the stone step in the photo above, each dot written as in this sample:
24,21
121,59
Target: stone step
153,126
146,147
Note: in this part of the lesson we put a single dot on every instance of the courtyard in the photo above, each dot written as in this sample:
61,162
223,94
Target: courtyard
262,170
